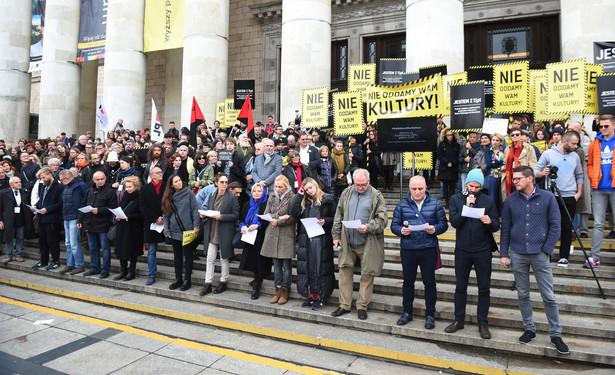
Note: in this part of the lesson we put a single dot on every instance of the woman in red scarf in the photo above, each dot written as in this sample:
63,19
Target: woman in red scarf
294,171
517,154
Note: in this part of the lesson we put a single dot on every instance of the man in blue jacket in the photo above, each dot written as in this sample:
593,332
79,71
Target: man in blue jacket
418,220
531,226
72,196
49,218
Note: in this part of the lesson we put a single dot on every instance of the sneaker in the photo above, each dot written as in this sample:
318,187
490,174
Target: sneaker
308,302
150,281
593,261
66,269
318,304
38,265
559,345
52,266
527,336
563,262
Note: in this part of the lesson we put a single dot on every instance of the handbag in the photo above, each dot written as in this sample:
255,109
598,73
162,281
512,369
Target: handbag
112,232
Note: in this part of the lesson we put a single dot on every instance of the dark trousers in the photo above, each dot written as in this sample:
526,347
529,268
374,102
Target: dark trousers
179,252
132,268
449,189
410,261
566,237
464,260
49,238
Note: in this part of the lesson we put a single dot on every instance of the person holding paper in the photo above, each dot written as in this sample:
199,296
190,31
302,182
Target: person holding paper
218,233
315,268
473,247
251,258
419,248
181,214
366,243
129,242
279,242
150,203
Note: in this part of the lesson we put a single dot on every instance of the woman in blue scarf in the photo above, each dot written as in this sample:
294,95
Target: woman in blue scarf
251,258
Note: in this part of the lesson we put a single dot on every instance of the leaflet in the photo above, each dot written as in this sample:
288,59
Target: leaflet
312,228
156,227
417,228
472,212
249,237
265,217
352,224
209,213
86,209
118,212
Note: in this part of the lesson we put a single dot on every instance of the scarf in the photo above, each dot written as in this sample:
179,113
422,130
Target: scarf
253,211
512,162
157,186
325,171
82,165
128,172
298,176
268,157
338,157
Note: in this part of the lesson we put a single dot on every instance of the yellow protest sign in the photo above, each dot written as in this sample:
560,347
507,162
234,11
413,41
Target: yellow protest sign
511,92
347,113
360,76
163,26
593,70
230,113
422,160
534,73
566,87
541,145
220,112
540,99
188,237
447,82
315,108
414,99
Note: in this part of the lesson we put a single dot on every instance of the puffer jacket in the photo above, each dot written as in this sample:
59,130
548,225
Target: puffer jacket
407,210
103,199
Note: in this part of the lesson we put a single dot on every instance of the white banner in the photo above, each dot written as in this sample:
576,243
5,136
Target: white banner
157,133
102,119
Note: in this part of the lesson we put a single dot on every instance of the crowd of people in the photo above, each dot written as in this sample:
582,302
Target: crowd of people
284,193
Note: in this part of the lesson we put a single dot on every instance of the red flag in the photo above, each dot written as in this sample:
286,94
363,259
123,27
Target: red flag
246,114
196,119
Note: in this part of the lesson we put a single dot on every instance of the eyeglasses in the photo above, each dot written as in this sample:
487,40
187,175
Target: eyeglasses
604,126
517,179
515,134
361,185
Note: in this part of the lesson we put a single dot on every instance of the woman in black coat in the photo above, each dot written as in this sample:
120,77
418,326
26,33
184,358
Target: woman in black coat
372,160
448,155
251,258
315,268
150,202
129,241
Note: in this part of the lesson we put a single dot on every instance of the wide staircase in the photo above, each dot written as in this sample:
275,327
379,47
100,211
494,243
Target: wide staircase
588,320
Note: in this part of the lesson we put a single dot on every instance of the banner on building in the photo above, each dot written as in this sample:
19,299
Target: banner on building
360,76
348,113
606,93
242,88
429,71
412,134
447,82
164,24
220,116
92,30
391,72
38,24
422,160
593,70
157,132
415,99
511,87
467,106
604,54
315,108
566,87
483,73
230,113
410,77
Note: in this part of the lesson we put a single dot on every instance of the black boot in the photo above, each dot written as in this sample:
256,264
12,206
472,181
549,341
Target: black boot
123,270
176,284
256,290
132,271
186,285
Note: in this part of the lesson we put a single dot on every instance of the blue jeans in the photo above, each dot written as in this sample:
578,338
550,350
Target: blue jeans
151,259
282,271
8,247
98,242
600,200
541,266
410,261
74,253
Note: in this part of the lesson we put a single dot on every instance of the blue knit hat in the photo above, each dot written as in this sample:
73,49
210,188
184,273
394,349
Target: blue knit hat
476,175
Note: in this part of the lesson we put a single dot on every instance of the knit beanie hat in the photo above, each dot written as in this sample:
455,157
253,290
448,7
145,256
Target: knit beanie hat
476,175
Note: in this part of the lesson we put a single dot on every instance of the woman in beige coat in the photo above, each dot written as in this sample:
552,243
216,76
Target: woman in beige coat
279,242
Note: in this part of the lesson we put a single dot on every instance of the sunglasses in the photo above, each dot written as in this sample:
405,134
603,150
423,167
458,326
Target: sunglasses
515,134
604,126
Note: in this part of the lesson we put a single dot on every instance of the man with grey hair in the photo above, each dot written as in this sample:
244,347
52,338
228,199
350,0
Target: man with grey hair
72,196
359,202
13,219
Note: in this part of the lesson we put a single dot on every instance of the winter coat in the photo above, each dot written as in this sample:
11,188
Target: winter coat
188,211
407,210
103,199
150,205
8,217
269,172
289,172
251,258
373,255
357,157
279,240
229,212
129,241
472,235
448,153
53,204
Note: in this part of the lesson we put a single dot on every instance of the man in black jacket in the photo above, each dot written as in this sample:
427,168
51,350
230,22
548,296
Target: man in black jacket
473,247
97,222
49,218
13,219
150,199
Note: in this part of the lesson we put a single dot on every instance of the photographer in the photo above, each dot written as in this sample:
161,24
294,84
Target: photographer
562,166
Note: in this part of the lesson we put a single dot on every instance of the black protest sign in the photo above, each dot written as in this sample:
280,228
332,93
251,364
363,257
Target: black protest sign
243,88
225,155
483,73
410,77
604,53
391,72
431,70
606,94
408,134
467,106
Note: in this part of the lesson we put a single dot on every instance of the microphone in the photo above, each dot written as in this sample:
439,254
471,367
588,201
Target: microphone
406,223
471,204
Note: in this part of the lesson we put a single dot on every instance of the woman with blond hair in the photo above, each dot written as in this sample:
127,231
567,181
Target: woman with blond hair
279,242
315,268
129,231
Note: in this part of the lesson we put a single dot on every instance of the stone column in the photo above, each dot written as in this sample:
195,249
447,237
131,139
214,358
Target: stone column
15,31
582,24
306,52
434,34
124,78
60,73
205,60
88,99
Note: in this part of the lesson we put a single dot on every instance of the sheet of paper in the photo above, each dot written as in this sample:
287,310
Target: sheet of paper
249,237
156,227
352,224
33,208
311,227
118,212
416,228
265,217
46,322
209,213
86,209
472,212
